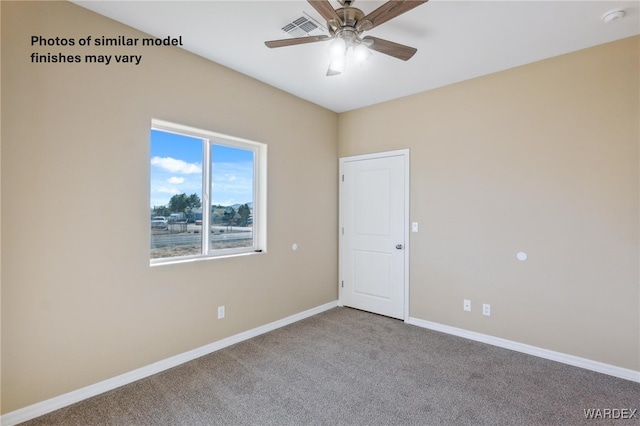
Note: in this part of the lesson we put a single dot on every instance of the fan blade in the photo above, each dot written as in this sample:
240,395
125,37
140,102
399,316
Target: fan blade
390,48
390,10
295,41
324,8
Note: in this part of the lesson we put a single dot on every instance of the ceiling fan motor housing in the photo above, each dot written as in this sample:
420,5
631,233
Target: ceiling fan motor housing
350,18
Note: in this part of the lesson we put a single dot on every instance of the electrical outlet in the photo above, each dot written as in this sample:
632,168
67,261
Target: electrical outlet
486,309
466,305
220,312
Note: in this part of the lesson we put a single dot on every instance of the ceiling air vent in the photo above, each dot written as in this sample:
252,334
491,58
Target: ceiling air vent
303,26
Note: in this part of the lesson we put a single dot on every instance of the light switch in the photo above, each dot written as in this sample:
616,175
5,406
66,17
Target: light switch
414,227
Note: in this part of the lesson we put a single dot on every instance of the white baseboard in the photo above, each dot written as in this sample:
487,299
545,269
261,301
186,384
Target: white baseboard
575,361
44,407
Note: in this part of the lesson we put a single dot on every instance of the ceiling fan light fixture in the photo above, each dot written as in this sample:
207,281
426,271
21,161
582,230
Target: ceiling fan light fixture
338,65
337,48
361,53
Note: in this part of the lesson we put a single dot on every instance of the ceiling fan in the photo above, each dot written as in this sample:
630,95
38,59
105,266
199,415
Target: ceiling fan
346,25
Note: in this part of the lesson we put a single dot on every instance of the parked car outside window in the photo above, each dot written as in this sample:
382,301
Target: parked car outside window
159,222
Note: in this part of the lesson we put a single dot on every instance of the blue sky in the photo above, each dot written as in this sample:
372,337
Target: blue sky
176,167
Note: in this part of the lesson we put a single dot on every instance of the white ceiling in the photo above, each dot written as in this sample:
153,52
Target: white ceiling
456,41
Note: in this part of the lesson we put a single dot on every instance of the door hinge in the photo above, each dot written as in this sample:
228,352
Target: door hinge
342,284
343,178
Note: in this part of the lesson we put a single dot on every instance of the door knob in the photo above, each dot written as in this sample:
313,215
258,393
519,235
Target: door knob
399,246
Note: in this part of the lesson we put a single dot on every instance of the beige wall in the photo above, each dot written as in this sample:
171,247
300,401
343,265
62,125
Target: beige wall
80,303
541,159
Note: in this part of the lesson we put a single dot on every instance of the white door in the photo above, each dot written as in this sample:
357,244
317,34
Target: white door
373,233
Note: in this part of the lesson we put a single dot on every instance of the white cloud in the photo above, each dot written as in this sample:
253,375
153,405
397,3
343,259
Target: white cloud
175,180
232,183
165,190
176,166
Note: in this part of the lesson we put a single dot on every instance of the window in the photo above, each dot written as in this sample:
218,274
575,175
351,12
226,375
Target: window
207,194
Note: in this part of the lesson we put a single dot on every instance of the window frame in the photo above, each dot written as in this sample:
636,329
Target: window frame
259,214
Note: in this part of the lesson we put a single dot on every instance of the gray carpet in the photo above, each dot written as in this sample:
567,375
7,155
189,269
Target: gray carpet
347,367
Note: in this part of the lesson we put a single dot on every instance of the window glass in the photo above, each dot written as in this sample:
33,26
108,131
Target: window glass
188,221
232,196
176,194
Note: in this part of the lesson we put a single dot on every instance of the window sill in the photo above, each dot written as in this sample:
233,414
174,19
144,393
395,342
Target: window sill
164,262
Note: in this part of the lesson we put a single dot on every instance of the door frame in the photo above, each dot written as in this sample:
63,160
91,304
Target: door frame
405,153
